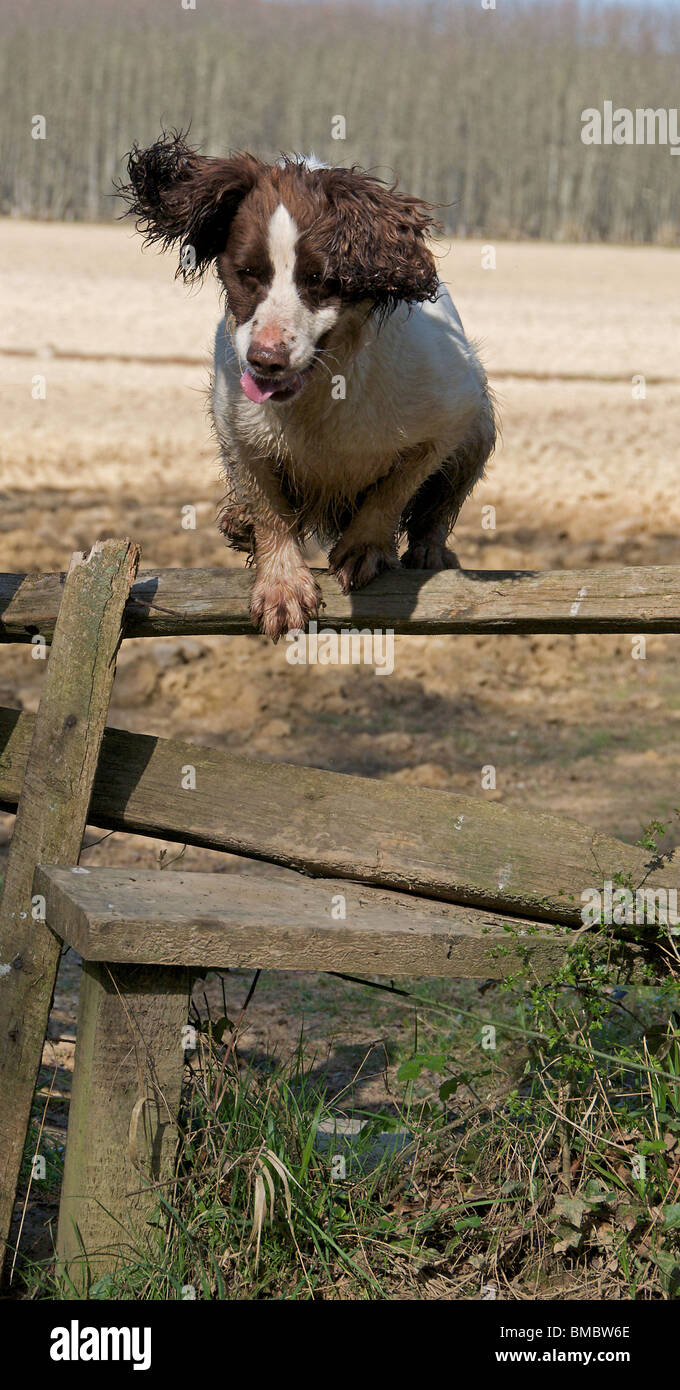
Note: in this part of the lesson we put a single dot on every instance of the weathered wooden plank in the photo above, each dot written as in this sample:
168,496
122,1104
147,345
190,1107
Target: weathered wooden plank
438,844
167,602
122,1134
55,796
289,923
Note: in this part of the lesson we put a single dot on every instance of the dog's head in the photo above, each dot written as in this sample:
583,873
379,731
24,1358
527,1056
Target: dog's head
298,246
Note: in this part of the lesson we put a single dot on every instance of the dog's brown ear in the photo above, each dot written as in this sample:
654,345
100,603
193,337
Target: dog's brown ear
379,248
179,195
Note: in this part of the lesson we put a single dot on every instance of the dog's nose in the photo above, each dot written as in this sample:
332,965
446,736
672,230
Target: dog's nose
268,358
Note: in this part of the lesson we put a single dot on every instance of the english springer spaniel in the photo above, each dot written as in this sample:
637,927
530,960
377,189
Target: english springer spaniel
347,401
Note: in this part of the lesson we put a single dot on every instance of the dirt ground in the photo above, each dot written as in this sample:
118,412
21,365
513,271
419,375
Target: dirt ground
585,475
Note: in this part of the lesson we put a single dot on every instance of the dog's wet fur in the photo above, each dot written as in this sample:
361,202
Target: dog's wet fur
347,401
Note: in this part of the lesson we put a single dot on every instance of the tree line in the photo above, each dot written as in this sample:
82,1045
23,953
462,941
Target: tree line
478,109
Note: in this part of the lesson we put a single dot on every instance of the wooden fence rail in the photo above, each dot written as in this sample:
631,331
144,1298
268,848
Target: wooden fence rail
171,602
438,844
133,917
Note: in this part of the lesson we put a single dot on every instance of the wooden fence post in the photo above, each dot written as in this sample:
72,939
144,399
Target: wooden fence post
122,1134
50,823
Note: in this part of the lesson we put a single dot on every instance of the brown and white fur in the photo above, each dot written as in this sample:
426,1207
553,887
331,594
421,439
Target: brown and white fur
347,400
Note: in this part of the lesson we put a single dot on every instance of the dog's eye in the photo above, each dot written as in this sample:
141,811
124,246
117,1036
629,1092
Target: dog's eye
322,289
246,272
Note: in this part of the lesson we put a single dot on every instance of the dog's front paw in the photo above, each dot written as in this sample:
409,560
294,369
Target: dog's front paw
237,528
284,604
356,565
429,555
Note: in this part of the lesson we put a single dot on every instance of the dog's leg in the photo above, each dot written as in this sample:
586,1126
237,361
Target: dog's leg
420,495
369,545
235,520
431,515
285,595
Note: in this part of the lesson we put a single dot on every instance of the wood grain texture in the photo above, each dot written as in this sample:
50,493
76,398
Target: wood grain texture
438,844
218,921
171,602
122,1133
55,796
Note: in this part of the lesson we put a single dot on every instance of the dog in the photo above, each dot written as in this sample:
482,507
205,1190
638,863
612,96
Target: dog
347,401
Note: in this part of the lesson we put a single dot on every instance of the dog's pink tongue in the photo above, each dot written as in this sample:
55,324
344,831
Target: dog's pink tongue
256,391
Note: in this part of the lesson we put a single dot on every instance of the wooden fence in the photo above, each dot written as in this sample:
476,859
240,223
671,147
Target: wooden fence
434,883
165,603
